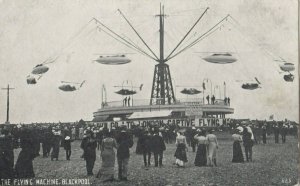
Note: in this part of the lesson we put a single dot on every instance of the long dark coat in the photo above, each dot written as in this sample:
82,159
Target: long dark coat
89,146
146,143
124,141
24,166
158,144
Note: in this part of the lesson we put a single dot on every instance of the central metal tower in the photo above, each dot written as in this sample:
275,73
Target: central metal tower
162,88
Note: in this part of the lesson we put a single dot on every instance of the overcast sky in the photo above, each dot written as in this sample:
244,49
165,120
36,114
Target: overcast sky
34,30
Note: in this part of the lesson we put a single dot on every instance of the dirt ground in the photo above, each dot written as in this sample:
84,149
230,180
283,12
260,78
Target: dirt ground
273,164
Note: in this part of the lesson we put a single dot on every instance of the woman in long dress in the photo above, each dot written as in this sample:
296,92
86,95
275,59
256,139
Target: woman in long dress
180,153
201,156
24,165
237,149
212,149
106,172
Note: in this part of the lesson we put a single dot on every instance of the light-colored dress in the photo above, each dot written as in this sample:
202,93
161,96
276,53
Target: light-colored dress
106,171
212,149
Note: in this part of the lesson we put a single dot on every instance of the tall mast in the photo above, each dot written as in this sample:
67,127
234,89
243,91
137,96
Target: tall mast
7,106
161,34
162,89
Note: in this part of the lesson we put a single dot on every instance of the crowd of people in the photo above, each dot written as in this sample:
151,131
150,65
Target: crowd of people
115,144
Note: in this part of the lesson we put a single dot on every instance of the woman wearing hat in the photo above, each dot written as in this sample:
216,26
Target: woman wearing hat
237,149
201,156
180,153
106,173
212,148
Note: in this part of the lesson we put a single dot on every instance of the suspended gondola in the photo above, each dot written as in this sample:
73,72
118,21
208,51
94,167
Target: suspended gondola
113,59
190,91
126,92
289,77
220,58
42,68
251,86
31,80
70,86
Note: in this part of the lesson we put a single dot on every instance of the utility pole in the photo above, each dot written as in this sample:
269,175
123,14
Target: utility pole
7,107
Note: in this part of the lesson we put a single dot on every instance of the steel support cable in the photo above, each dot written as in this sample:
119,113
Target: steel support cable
178,34
253,42
197,21
124,40
80,31
136,46
203,37
129,46
198,39
87,35
138,34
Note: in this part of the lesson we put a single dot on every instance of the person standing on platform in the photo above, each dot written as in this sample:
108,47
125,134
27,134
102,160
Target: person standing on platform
207,98
228,101
225,101
129,101
201,155
106,173
125,102
180,153
212,148
124,141
237,149
89,145
213,99
158,148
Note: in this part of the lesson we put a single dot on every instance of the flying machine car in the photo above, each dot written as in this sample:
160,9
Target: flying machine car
31,80
118,59
190,91
287,67
220,58
251,86
70,86
126,92
289,77
42,68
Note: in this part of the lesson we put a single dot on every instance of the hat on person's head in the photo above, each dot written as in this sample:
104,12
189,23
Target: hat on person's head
193,128
240,129
67,138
